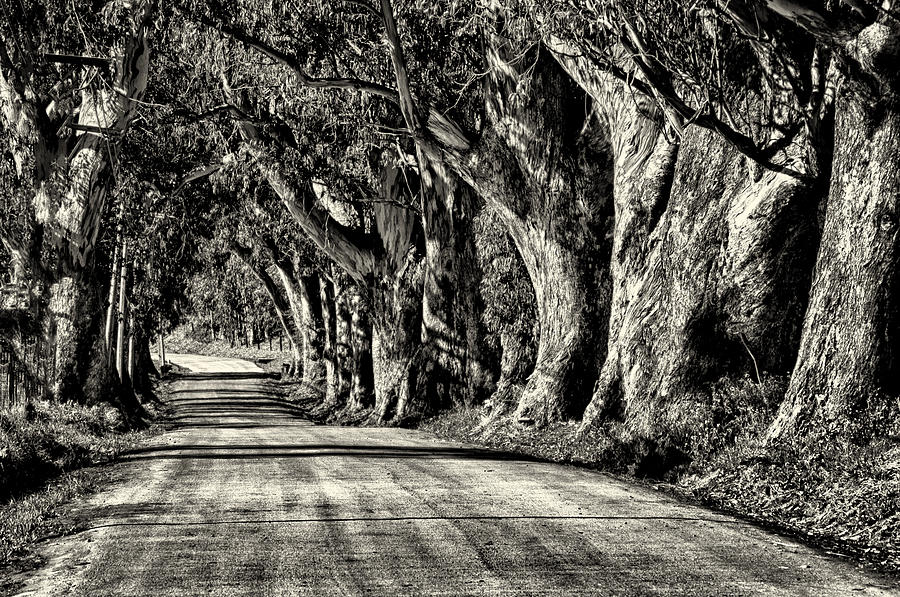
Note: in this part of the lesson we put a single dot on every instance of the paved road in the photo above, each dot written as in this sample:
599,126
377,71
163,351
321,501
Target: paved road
245,497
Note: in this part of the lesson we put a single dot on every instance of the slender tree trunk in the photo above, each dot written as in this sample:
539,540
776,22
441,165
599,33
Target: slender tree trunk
284,309
162,343
131,355
111,304
846,374
123,315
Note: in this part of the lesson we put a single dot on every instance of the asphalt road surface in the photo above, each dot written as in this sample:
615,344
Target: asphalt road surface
245,497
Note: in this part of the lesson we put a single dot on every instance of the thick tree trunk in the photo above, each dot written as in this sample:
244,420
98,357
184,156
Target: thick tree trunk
556,211
313,333
846,374
451,330
397,352
143,366
74,324
344,289
333,396
644,158
362,381
722,291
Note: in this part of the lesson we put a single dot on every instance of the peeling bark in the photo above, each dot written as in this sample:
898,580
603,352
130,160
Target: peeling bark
313,333
847,366
362,383
724,283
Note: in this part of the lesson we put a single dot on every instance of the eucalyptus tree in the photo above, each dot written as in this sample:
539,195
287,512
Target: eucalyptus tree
70,80
788,96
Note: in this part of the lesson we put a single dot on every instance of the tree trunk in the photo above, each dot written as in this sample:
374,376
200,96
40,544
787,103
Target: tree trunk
644,158
329,352
284,309
162,344
143,366
344,290
111,304
846,374
313,333
131,355
122,315
556,211
73,325
722,291
451,330
362,381
396,344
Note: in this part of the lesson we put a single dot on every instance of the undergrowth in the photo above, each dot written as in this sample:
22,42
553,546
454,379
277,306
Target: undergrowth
37,447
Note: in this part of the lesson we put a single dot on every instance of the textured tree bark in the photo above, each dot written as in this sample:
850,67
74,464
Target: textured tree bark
329,353
722,291
362,380
847,366
556,216
644,159
313,333
343,331
451,330
70,180
397,352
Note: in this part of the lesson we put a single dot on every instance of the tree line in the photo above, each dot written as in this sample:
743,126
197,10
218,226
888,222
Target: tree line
568,210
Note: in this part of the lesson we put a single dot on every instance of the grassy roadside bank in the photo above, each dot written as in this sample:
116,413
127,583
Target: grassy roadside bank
48,457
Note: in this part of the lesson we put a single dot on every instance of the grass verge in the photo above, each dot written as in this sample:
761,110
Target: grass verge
49,455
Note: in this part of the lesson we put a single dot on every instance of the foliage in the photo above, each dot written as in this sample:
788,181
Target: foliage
509,302
39,444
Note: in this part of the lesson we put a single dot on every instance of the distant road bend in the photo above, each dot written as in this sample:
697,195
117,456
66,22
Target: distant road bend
243,496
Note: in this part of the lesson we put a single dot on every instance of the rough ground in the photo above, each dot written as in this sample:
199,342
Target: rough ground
245,497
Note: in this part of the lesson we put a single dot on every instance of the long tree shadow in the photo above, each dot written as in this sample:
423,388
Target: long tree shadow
301,450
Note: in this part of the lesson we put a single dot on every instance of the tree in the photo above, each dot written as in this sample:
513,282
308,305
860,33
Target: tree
63,118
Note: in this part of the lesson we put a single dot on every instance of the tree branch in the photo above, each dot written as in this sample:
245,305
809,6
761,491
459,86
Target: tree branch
292,62
407,103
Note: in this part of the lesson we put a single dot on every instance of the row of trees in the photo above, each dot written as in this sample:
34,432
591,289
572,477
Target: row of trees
695,191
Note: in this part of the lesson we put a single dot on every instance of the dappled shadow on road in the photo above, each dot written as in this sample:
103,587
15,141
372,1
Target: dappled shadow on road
229,401
223,402
228,376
